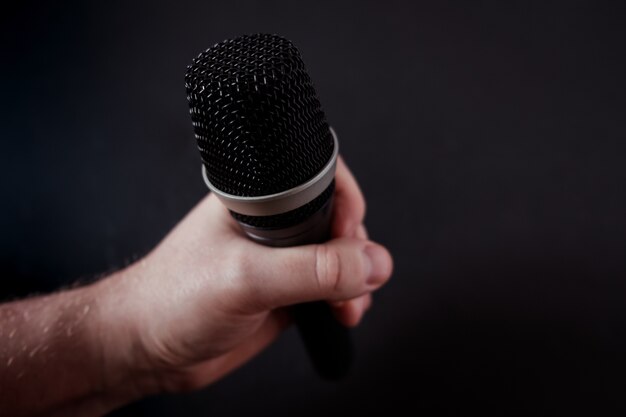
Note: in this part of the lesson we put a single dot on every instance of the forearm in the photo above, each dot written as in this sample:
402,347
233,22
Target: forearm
56,355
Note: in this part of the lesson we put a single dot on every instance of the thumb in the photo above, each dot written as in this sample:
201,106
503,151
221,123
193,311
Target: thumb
340,269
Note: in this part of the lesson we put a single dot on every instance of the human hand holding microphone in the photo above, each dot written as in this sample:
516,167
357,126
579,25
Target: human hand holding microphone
207,299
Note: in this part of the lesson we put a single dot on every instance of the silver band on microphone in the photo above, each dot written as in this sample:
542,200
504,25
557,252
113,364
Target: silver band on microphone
268,205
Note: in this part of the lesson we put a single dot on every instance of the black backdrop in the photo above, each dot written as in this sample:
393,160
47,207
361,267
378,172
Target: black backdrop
489,140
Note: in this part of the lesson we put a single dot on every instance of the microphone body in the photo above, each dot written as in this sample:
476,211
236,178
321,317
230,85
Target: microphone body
270,157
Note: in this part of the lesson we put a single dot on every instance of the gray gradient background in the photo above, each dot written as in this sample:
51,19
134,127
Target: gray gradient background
489,140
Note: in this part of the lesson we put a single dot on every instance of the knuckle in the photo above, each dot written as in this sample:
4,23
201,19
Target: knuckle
328,268
240,264
235,282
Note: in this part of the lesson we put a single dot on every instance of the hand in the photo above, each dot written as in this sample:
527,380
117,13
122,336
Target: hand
207,299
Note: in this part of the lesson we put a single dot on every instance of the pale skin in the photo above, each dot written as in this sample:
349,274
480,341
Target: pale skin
198,306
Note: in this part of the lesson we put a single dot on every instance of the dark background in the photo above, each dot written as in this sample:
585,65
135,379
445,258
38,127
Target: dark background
488,138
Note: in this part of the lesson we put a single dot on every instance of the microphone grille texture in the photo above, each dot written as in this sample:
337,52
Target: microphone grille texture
257,119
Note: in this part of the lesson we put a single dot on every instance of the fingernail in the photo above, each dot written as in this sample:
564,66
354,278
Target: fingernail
380,264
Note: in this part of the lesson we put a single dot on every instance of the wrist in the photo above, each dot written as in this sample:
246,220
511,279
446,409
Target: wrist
125,373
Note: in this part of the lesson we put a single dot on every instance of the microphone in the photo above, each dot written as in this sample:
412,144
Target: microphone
269,155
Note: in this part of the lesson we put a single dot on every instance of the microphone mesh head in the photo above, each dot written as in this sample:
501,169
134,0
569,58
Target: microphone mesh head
259,124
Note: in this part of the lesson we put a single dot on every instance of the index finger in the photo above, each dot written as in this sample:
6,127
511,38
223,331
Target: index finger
349,205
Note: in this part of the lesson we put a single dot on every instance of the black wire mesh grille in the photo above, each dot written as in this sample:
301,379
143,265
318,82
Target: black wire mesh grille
258,121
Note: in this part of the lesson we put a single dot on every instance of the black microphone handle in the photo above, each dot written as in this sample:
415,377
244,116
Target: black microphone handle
327,341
